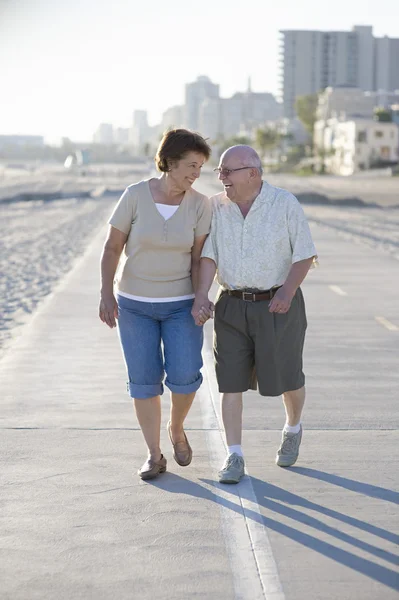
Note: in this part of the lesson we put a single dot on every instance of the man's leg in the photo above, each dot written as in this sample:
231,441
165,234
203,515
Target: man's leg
293,404
288,452
234,363
233,467
232,418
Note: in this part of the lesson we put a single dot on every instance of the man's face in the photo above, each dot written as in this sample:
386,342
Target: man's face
237,183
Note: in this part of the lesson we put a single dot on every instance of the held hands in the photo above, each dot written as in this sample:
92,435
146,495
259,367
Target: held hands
202,310
108,310
281,301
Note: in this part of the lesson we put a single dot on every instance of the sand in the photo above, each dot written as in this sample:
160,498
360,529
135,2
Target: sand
40,239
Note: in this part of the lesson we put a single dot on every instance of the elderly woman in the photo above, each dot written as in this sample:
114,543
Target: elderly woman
161,225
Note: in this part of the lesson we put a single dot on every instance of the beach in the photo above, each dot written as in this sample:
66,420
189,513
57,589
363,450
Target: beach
40,243
78,522
42,237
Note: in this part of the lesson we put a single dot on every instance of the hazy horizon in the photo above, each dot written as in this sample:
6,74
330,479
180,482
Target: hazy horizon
66,67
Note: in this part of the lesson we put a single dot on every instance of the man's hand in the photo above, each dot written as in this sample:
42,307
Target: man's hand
202,310
281,301
108,310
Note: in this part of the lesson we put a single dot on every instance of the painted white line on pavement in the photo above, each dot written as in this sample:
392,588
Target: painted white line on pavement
253,567
337,290
387,324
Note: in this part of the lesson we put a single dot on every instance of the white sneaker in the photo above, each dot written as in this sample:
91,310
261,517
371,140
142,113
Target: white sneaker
233,469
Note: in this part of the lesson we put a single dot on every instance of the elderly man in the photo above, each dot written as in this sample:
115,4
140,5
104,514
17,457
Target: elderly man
261,249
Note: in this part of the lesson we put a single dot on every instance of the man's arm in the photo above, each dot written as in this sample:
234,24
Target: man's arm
202,305
281,302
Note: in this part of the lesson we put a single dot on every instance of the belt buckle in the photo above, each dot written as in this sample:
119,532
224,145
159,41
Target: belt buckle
251,296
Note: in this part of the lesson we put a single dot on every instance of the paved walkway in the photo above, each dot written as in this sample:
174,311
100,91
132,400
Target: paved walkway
77,523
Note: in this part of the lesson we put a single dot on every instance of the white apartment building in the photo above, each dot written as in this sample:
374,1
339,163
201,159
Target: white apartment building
386,64
172,118
196,93
121,136
313,60
21,140
139,131
356,144
344,101
217,117
245,111
210,118
104,134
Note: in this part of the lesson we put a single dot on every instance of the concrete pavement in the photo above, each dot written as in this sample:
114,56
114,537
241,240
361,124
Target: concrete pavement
76,522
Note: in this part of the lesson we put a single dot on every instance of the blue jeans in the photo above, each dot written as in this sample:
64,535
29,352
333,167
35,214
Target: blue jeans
144,327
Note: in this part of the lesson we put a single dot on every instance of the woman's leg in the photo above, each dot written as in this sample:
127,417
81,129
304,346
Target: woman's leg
179,409
182,348
140,336
148,414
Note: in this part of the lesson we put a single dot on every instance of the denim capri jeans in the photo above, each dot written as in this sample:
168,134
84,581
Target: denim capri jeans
159,337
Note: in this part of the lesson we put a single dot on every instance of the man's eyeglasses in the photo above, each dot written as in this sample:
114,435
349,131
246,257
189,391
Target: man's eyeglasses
226,172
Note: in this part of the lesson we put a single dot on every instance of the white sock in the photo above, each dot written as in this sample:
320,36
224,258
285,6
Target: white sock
234,450
292,428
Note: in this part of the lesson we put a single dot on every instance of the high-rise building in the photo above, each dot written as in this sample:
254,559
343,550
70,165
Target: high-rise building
21,140
216,117
314,60
260,107
104,134
386,64
196,93
139,131
121,135
343,102
209,118
173,117
362,55
247,110
232,115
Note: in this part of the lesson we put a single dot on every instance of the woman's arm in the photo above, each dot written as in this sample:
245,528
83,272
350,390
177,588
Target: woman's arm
203,308
113,247
195,259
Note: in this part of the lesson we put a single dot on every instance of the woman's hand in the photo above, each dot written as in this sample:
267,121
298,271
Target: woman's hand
202,310
108,309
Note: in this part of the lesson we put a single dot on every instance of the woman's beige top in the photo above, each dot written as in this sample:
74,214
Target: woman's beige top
157,254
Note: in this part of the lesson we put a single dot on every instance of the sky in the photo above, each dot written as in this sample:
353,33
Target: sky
68,65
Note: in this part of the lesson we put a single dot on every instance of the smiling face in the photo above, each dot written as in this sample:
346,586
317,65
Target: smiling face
186,170
239,185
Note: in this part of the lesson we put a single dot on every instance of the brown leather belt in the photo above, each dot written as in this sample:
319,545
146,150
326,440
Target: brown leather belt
250,296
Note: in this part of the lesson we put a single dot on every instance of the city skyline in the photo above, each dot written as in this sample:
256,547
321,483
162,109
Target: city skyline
66,68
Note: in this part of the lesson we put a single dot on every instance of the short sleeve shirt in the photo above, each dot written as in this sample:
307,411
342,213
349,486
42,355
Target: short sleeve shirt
157,254
257,252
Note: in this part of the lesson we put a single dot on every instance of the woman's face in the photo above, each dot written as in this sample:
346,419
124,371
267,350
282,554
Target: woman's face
187,170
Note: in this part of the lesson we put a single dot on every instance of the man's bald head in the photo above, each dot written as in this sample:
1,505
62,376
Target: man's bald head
240,171
244,156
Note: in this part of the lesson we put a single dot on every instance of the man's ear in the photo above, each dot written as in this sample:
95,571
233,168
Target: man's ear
253,172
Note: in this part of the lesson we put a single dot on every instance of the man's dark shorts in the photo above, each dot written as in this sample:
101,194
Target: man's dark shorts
253,345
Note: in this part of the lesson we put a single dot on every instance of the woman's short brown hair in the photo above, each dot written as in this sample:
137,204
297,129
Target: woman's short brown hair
175,144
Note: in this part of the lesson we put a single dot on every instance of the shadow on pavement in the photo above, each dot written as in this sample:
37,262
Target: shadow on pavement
367,489
276,499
